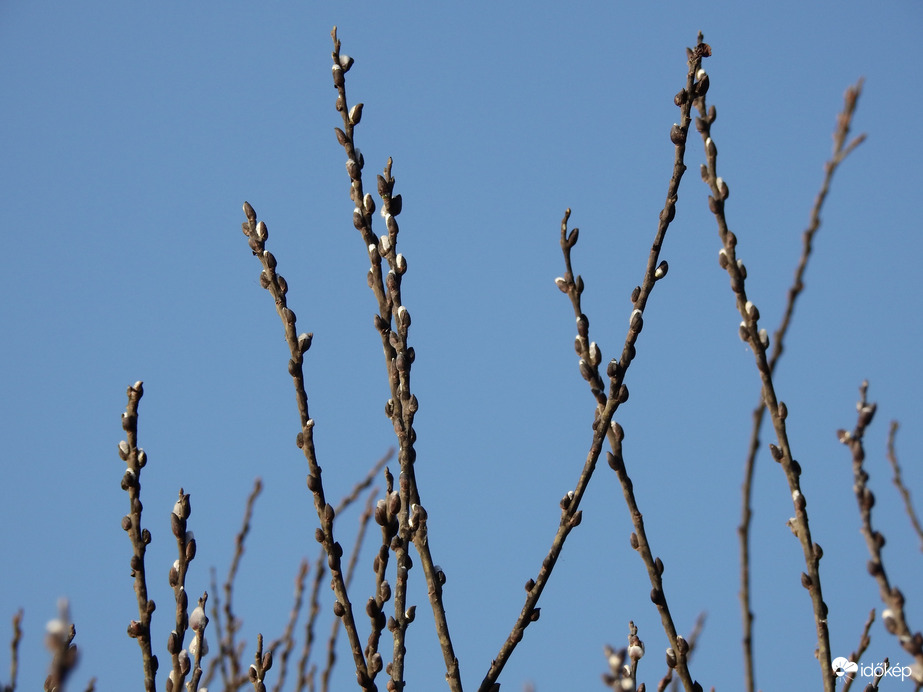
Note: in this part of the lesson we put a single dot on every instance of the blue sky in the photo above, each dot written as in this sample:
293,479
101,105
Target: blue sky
132,133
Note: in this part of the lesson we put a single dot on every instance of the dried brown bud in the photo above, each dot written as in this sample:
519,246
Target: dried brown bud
250,213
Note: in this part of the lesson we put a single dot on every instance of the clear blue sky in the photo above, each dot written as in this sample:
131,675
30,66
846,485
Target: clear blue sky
130,135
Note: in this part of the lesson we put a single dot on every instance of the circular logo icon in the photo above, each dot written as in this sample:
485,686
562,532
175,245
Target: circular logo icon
842,666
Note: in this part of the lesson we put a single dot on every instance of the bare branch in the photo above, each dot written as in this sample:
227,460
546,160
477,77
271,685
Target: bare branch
864,642
14,651
136,458
893,616
392,323
899,482
758,340
590,358
841,132
257,233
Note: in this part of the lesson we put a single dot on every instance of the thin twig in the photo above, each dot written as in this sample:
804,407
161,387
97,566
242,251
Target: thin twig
894,617
864,642
758,340
218,660
186,549
590,359
678,654
306,672
840,152
287,640
258,669
257,234
136,458
392,322
230,661
198,647
899,482
60,642
386,516
14,651
364,520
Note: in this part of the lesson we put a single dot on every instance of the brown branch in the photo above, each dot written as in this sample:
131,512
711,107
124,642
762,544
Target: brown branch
229,647
306,673
257,671
198,621
840,152
758,340
364,520
590,359
392,322
856,655
899,482
14,651
678,654
59,639
257,234
136,458
894,618
386,516
287,640
186,548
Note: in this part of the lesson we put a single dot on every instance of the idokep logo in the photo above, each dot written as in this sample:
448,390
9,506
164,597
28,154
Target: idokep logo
844,667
